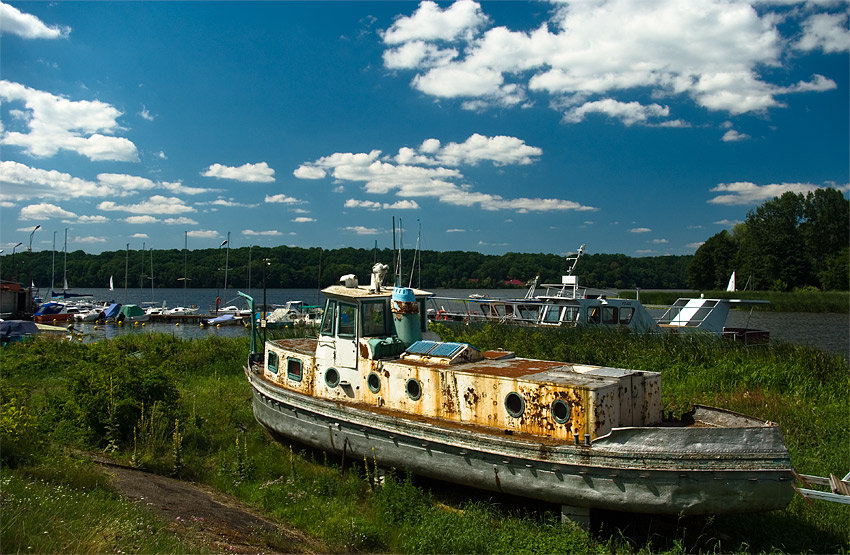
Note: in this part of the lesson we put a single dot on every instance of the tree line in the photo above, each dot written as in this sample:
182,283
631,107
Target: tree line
294,267
790,242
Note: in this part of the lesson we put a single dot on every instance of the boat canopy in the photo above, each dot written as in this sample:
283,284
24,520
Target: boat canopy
112,311
131,310
49,308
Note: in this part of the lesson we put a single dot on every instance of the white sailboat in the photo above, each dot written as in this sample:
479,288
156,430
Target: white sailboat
731,285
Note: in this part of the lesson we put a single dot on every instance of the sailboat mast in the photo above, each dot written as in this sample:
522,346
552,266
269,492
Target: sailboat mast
65,274
185,262
53,265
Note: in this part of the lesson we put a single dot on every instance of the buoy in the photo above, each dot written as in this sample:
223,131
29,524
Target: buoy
135,323
144,324
177,324
218,325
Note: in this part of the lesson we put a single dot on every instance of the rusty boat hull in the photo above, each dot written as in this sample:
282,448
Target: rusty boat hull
722,463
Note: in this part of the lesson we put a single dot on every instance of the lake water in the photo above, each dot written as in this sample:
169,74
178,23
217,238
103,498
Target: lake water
830,332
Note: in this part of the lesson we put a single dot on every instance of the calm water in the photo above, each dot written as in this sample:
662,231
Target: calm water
830,332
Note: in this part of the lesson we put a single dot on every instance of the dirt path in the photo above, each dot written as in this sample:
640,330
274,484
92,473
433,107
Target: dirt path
212,518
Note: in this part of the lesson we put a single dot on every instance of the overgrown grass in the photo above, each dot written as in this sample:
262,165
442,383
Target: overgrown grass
796,301
64,505
219,443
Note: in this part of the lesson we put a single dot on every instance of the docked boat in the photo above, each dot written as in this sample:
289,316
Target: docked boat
131,314
293,313
223,320
582,436
52,312
567,304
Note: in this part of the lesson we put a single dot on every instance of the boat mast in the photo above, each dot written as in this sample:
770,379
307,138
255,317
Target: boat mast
53,265
126,271
65,276
226,264
151,276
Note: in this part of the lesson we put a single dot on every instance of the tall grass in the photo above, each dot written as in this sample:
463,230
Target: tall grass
222,445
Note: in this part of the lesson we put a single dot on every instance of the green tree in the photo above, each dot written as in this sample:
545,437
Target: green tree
713,262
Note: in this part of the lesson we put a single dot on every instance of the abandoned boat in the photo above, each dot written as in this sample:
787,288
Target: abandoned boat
585,437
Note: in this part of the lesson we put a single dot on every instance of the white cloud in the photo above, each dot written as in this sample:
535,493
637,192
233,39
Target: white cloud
745,192
182,220
53,123
695,245
203,234
139,236
660,241
282,199
92,220
455,231
270,233
825,31
157,204
404,175
255,173
303,220
28,26
141,220
360,230
44,211
627,112
640,230
145,114
733,136
229,203
429,22
22,182
371,205
592,51
90,239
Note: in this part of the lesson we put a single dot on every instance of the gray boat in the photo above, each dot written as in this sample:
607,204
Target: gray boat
585,437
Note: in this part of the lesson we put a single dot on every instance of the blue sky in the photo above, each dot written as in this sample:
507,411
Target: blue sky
636,127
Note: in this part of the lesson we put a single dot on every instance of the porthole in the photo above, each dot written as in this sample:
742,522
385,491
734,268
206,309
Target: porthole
514,404
560,411
414,389
374,382
332,377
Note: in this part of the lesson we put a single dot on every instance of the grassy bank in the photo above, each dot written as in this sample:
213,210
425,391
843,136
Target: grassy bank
183,408
797,301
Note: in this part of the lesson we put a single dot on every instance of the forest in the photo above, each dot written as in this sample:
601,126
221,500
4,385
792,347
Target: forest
791,242
294,267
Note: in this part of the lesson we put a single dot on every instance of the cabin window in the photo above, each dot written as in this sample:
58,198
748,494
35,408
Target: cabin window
594,315
550,314
332,377
609,315
374,319
514,404
328,318
347,321
414,389
272,366
294,369
560,411
528,313
571,314
374,382
626,314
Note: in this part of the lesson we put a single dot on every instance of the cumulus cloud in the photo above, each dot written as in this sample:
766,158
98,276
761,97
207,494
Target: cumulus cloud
424,172
360,230
601,55
156,204
733,136
89,239
203,234
44,211
270,233
52,123
303,220
22,182
28,26
182,220
640,230
372,205
825,31
745,192
282,199
255,173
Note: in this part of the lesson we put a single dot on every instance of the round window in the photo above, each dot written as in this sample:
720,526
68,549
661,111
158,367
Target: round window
560,411
514,404
332,377
374,382
414,389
